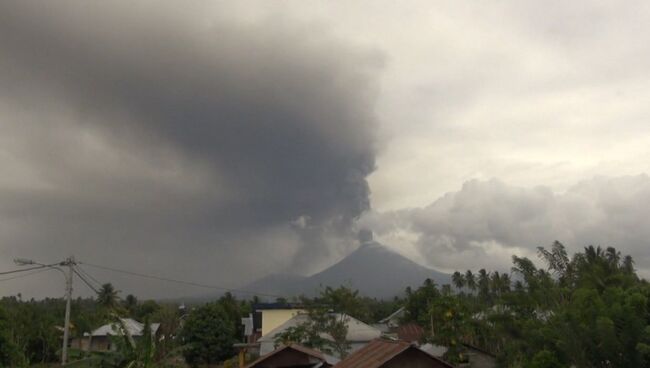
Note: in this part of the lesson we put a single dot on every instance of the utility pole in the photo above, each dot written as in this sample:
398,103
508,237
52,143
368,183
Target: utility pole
69,263
68,296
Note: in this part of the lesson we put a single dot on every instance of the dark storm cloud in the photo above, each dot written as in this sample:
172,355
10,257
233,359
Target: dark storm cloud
163,134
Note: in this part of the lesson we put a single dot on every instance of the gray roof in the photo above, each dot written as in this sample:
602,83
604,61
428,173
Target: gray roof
357,330
133,327
395,316
436,350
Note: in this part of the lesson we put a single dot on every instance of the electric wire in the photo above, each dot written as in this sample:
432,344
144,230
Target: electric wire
43,269
74,269
182,282
24,269
91,277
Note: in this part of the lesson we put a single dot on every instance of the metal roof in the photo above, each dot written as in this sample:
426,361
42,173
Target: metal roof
379,351
410,332
133,327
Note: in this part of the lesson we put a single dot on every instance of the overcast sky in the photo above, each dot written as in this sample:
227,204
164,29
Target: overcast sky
223,141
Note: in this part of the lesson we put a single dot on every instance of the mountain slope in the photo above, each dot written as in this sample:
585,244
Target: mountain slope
373,269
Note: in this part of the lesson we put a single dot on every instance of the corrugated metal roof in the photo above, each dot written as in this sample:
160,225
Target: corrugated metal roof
134,328
379,352
410,332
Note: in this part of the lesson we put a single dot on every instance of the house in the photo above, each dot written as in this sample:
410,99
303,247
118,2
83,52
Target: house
266,317
394,328
382,353
294,356
272,315
359,333
100,338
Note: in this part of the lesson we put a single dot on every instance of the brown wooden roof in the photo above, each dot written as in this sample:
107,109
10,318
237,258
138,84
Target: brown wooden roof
380,351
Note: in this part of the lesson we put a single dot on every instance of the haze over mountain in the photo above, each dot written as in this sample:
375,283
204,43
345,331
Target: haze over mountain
373,269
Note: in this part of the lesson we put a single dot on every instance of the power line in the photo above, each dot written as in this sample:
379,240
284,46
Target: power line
74,269
27,274
99,283
23,270
183,282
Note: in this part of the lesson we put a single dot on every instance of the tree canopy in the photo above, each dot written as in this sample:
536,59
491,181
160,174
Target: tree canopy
589,310
208,335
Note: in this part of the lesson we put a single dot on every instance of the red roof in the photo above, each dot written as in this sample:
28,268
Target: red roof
380,351
411,332
311,352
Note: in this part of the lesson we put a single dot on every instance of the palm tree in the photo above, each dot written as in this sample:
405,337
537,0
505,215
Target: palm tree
526,268
470,280
458,279
495,283
107,296
483,284
628,264
556,259
505,283
613,257
130,303
446,289
593,254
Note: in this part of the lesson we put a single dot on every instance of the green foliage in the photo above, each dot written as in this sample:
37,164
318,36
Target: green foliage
235,310
545,359
208,335
32,325
343,300
9,356
418,302
377,309
145,310
590,310
307,334
130,304
107,296
169,318
30,331
326,327
449,319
